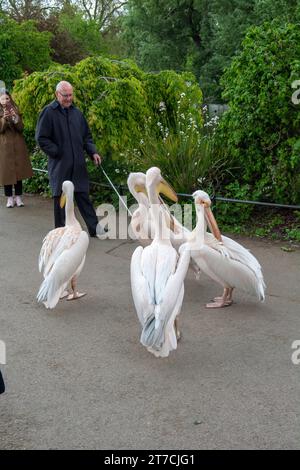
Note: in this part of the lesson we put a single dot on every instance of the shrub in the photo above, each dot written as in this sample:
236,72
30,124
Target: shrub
22,49
261,128
116,97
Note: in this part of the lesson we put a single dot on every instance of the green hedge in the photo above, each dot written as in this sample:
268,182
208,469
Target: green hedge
261,130
117,98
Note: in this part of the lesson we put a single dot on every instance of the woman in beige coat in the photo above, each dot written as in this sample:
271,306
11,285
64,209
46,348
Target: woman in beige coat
14,160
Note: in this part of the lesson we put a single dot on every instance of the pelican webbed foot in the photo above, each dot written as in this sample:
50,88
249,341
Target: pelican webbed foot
76,295
218,304
224,301
64,294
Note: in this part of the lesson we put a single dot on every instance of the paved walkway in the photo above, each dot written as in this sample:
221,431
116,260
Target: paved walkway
77,377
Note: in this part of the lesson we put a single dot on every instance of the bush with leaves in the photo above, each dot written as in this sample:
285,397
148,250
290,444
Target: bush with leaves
22,49
261,128
186,153
39,182
116,97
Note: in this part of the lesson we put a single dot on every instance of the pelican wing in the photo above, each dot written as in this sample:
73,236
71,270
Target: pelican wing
54,245
236,252
158,334
140,291
69,262
241,254
49,244
231,272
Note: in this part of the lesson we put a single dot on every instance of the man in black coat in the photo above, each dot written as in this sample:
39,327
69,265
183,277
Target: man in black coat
63,134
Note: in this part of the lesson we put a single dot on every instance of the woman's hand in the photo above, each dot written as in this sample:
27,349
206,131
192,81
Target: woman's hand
6,114
14,116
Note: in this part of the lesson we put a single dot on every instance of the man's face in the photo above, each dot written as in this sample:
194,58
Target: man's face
65,96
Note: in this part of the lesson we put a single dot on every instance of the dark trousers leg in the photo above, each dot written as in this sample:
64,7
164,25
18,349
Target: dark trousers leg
59,214
19,188
8,190
87,211
2,386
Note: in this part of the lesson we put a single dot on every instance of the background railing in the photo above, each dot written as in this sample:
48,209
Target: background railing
123,188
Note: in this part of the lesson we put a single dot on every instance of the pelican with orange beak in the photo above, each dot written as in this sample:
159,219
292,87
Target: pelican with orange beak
62,255
157,276
142,224
221,258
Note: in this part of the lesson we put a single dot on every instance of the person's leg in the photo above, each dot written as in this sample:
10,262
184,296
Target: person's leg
59,213
19,188
2,386
87,211
18,193
8,190
8,194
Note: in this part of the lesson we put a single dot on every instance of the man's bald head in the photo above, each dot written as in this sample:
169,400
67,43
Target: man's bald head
64,93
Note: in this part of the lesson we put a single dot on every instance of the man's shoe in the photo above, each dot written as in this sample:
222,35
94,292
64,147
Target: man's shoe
10,202
19,201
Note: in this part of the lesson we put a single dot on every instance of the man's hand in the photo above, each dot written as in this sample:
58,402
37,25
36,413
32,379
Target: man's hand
97,159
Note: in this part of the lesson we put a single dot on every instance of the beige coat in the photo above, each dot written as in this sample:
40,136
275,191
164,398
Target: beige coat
14,160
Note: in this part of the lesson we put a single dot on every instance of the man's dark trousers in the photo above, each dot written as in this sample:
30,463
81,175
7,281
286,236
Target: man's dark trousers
86,210
2,386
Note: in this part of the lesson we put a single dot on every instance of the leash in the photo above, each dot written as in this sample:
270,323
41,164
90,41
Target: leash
115,189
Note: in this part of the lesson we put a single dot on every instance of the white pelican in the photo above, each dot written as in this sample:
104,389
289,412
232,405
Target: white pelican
157,276
141,221
141,224
221,258
62,255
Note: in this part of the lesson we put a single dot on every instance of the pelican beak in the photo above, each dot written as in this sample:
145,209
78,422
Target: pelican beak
210,218
140,189
212,223
62,201
166,189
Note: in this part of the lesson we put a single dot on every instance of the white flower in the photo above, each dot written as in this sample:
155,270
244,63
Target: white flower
162,106
182,95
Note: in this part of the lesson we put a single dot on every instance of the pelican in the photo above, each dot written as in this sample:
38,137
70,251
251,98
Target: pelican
221,258
157,276
141,221
62,255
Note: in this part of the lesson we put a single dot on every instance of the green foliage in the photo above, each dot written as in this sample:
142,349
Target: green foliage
239,213
293,234
187,156
162,35
22,49
39,183
116,97
85,33
200,35
261,128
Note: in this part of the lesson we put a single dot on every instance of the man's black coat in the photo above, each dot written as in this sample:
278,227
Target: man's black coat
64,136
